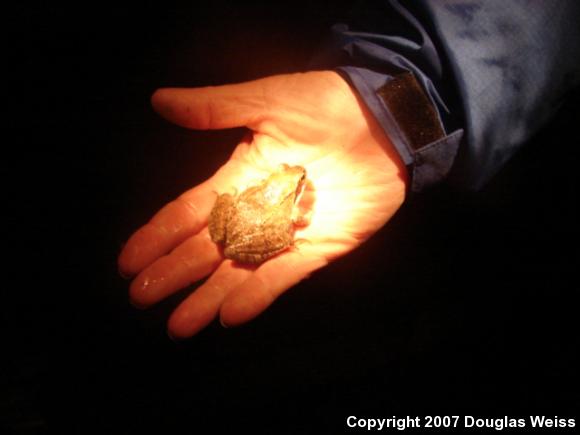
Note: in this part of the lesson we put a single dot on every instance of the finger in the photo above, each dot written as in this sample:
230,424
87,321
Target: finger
191,261
268,282
202,306
212,107
174,223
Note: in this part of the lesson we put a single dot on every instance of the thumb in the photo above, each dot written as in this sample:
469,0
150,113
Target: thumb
212,107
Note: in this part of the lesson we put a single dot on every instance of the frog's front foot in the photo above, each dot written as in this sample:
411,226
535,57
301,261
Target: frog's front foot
301,218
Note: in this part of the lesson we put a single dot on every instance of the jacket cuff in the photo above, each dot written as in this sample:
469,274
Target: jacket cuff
410,120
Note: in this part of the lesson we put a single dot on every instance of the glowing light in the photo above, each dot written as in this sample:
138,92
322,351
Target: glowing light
341,197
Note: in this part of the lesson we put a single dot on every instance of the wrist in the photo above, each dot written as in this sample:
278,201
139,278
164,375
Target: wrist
407,114
373,139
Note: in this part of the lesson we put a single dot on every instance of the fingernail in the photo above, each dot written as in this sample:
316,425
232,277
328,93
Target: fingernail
173,337
223,324
137,305
123,274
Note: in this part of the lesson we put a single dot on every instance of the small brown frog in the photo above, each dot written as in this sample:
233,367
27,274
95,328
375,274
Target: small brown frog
259,222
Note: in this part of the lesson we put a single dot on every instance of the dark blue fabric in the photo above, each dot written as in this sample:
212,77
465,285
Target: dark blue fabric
495,69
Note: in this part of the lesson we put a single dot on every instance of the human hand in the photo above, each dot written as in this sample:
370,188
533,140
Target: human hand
311,119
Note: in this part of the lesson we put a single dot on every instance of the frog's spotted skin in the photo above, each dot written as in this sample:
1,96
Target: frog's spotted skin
258,223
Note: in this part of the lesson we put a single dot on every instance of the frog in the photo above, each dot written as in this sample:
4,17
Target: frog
259,223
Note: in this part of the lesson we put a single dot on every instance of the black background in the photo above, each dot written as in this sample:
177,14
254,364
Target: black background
463,304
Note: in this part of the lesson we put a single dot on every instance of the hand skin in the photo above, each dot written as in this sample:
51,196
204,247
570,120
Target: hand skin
312,119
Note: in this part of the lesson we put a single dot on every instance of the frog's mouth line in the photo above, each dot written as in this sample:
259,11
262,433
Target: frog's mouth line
300,190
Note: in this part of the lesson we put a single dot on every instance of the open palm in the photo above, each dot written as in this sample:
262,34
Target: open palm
314,120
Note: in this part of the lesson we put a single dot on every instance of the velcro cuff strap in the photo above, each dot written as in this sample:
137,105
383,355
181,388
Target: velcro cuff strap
413,111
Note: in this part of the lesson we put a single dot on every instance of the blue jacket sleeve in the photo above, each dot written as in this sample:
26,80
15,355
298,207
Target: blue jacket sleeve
494,71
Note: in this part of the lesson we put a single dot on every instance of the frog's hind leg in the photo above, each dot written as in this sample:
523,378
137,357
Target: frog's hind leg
219,217
252,258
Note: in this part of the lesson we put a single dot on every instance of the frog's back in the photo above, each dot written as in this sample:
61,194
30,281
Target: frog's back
254,236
